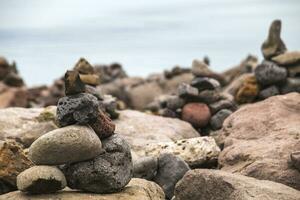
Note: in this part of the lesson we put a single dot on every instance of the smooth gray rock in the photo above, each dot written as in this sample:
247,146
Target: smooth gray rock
107,173
186,91
41,179
222,104
170,170
145,167
174,103
205,83
65,145
291,85
216,122
209,96
268,73
77,109
268,92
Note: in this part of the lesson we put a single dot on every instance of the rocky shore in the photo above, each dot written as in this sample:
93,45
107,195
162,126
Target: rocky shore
185,134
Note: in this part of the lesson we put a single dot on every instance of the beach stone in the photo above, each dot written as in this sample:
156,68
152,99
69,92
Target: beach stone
73,84
222,104
137,189
295,158
294,70
103,126
209,96
248,91
204,83
166,112
84,67
268,92
4,68
13,79
198,114
268,73
77,109
216,122
259,139
170,170
12,96
145,167
174,102
41,180
90,79
204,184
273,45
65,145
291,85
187,91
109,172
131,124
12,162
196,152
110,105
288,58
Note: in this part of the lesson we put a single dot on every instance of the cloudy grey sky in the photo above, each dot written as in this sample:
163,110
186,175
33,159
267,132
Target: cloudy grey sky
48,37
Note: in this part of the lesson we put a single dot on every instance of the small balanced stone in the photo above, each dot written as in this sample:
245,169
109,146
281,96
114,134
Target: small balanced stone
41,179
103,125
204,83
73,84
109,172
65,145
268,92
216,122
268,73
186,91
84,67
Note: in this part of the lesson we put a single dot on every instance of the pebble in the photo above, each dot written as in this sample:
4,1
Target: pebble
198,114
295,158
73,84
77,109
174,103
268,92
291,85
248,91
209,96
65,145
145,167
41,180
171,169
186,91
268,73
109,172
217,120
222,104
103,125
90,79
205,83
84,67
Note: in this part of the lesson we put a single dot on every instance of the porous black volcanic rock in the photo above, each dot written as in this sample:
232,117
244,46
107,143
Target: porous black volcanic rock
268,92
73,84
268,73
107,173
77,109
103,125
216,122
171,169
205,83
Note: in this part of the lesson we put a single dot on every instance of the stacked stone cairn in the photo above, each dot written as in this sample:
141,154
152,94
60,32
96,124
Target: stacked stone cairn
84,153
201,103
278,73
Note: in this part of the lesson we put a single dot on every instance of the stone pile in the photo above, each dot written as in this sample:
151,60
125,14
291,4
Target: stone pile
84,153
201,103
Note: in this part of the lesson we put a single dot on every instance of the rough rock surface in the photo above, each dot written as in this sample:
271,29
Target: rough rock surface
268,73
195,151
41,179
12,96
260,138
103,126
26,124
140,129
203,184
12,162
137,189
170,170
65,145
107,173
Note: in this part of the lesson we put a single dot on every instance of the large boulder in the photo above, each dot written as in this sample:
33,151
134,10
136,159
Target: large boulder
260,138
140,129
26,124
204,184
137,189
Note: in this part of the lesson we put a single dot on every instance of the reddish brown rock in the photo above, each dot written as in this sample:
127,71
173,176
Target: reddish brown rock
260,138
248,90
103,126
198,114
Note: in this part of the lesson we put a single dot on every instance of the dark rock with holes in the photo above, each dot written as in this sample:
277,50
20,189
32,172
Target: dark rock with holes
73,84
291,85
109,172
216,122
295,158
186,91
77,109
205,83
41,179
222,104
268,92
145,167
171,169
103,125
268,73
